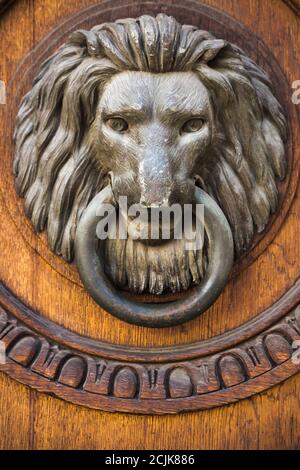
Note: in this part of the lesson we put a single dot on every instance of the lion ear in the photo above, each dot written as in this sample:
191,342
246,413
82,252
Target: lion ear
204,51
88,39
211,49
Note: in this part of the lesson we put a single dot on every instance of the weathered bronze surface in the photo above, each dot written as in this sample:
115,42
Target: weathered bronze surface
154,109
92,271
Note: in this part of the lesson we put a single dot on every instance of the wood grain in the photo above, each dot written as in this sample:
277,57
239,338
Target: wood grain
35,421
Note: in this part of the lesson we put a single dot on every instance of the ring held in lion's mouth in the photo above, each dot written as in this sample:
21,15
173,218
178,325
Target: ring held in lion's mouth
91,267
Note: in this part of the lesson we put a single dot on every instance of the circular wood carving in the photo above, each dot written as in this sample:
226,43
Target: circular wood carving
203,17
214,372
228,368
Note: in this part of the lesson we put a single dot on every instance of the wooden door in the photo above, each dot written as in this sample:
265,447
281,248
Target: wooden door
249,335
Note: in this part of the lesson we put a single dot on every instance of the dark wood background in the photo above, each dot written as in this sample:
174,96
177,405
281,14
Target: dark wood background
30,420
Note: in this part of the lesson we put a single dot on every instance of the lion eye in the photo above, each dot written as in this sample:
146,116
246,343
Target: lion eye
118,124
193,125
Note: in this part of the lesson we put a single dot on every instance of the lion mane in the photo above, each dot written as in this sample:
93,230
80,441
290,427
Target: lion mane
55,166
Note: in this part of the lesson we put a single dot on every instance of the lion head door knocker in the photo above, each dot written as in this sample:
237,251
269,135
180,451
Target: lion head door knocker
160,114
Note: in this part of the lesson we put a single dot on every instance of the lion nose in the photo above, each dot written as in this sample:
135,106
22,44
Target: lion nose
155,181
154,200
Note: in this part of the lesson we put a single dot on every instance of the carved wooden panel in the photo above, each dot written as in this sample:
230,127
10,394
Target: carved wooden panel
181,379
56,338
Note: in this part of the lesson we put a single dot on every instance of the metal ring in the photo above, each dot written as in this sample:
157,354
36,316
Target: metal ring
91,271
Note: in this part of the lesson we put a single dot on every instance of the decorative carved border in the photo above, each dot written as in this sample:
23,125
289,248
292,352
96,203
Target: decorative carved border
294,5
4,4
149,386
224,369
